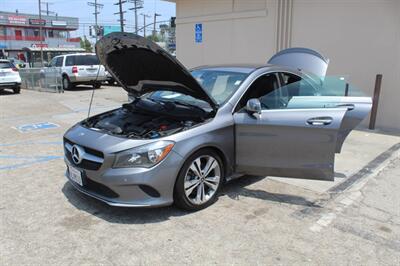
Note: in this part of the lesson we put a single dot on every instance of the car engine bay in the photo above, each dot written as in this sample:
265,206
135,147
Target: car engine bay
148,119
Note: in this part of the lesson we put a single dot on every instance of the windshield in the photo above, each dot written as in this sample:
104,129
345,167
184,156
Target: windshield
219,84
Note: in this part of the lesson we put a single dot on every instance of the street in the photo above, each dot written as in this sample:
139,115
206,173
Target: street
256,220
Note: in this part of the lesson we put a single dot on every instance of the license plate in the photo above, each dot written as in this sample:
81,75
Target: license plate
75,175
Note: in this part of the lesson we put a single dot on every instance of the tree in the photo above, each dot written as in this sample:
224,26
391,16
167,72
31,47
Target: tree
154,38
86,44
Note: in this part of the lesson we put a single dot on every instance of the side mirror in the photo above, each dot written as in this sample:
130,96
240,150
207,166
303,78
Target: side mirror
253,106
46,65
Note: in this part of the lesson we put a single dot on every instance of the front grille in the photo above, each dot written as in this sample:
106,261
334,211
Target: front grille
99,188
85,163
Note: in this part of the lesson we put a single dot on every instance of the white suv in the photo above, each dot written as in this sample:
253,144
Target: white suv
9,76
75,69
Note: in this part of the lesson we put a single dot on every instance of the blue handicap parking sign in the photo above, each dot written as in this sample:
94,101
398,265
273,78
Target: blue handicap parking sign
36,126
198,32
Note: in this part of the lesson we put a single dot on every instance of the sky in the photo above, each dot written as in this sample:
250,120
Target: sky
80,9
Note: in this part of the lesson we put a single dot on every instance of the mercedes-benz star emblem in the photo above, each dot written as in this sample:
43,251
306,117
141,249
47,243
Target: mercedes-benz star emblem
77,153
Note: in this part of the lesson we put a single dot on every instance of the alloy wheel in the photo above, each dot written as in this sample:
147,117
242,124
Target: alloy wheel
202,179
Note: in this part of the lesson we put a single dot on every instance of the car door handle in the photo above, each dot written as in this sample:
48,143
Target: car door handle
349,106
319,121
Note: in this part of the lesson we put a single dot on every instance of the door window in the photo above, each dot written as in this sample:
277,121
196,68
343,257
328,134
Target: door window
69,61
59,61
53,62
262,86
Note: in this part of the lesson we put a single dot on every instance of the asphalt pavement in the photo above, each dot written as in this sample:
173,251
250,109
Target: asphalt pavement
256,220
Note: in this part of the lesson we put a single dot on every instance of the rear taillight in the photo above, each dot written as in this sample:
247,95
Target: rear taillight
14,69
74,69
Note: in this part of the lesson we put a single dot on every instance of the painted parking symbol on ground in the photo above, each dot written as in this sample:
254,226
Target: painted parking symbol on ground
36,126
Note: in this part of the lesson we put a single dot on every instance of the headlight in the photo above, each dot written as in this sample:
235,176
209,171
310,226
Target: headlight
144,156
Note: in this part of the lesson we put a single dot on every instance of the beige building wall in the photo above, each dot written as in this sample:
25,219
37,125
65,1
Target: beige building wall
361,38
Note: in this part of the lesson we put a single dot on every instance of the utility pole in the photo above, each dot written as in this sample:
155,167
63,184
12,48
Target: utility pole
40,33
121,13
96,12
155,22
144,23
137,4
47,11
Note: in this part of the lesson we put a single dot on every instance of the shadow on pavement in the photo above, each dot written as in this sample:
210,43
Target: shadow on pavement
4,92
119,215
233,189
84,88
238,187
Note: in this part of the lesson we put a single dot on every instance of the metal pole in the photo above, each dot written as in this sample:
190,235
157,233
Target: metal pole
136,20
144,23
375,101
95,18
346,90
40,33
121,16
155,22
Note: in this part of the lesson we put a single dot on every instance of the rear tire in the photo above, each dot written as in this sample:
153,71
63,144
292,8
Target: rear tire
97,85
111,82
17,90
196,191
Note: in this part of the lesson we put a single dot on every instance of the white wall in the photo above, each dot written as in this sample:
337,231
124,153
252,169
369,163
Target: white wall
361,38
234,31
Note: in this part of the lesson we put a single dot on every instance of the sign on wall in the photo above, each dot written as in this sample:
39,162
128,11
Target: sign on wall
198,33
36,21
60,23
13,19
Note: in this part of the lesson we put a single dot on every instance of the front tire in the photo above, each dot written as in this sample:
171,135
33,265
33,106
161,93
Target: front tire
199,180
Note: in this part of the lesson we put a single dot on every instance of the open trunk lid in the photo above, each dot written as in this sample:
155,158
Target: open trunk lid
301,59
141,66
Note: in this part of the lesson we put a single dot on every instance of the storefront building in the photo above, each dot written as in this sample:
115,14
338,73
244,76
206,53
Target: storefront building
20,33
360,37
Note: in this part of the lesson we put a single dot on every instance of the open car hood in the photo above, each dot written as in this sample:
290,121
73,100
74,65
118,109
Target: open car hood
141,66
302,59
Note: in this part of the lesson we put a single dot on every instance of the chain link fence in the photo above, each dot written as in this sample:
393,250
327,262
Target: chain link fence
42,79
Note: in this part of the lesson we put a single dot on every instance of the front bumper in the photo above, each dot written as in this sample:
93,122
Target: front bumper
131,187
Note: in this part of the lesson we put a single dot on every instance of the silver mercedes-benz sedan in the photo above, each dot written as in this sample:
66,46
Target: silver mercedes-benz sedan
187,132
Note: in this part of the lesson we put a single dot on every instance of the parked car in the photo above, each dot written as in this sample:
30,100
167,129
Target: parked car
186,132
9,76
18,63
76,69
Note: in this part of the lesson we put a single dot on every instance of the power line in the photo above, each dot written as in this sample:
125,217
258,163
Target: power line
121,13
